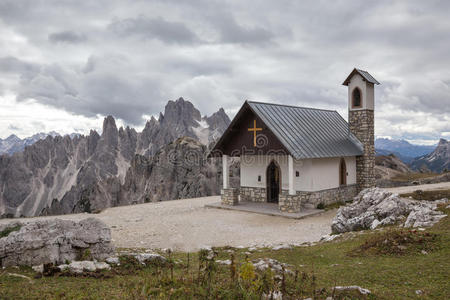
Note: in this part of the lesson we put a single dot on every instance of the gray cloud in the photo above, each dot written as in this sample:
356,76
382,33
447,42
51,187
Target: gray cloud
11,64
154,28
129,58
14,127
102,90
68,36
231,32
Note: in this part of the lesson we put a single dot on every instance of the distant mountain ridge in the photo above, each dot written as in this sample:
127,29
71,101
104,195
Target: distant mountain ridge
13,143
59,175
401,148
436,161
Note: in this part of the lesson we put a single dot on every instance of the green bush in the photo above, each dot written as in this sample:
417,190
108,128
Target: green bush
8,230
321,205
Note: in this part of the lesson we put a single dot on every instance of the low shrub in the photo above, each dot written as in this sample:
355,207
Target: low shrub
8,230
321,205
397,242
428,195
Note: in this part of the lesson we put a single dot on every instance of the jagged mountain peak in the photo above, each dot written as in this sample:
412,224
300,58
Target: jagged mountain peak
442,142
436,161
180,111
62,175
109,124
12,138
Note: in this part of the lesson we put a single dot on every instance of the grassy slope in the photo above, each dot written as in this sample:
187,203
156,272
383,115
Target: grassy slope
428,195
407,177
387,276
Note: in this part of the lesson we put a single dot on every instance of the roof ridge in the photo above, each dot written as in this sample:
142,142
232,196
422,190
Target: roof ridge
293,106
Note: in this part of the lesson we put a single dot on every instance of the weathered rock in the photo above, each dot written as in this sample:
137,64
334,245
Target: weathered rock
276,266
56,241
226,262
9,226
84,266
282,247
273,295
374,207
423,215
436,161
359,289
113,260
60,175
148,258
38,268
329,237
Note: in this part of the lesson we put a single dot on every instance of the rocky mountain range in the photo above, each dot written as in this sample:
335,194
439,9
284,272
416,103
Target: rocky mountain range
120,166
392,162
13,143
437,161
401,148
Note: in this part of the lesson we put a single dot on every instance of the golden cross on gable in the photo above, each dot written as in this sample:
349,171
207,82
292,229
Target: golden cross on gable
254,129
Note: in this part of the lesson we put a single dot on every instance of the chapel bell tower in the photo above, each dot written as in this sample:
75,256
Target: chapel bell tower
361,105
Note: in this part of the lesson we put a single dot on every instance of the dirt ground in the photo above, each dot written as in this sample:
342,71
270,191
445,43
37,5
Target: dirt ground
424,187
187,225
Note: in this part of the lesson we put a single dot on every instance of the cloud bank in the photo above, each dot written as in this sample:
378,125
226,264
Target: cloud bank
128,58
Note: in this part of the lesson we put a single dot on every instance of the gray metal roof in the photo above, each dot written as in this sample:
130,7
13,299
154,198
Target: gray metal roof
364,74
308,132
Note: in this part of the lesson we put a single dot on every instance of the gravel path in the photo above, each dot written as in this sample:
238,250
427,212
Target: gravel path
187,225
424,187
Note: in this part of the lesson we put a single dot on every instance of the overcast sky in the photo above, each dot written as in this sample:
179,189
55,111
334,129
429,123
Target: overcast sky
64,64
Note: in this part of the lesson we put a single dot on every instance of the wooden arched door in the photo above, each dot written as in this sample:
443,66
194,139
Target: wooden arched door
342,172
273,175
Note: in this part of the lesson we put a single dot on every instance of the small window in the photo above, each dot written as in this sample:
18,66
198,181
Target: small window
297,174
259,178
356,98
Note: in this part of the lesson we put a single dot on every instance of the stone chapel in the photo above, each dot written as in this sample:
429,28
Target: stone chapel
299,157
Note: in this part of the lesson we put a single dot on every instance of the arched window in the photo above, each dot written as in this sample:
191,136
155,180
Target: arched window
356,98
342,172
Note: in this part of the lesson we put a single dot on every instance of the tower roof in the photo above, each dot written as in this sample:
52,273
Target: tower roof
364,75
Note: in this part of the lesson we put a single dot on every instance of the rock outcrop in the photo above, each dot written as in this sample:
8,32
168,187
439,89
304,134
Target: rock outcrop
179,170
60,175
392,162
374,207
57,242
437,161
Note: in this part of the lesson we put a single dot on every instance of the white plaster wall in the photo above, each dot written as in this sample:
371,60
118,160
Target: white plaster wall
325,172
252,166
367,92
315,174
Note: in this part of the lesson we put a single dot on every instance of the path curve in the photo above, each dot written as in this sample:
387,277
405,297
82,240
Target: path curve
423,187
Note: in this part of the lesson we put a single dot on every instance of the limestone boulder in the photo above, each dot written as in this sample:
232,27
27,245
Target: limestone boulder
376,207
264,263
56,241
84,266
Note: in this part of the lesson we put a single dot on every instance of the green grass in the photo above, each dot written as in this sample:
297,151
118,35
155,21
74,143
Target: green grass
407,177
8,230
428,195
336,205
361,258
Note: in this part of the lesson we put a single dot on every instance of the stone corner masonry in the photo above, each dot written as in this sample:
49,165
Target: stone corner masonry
230,196
361,124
